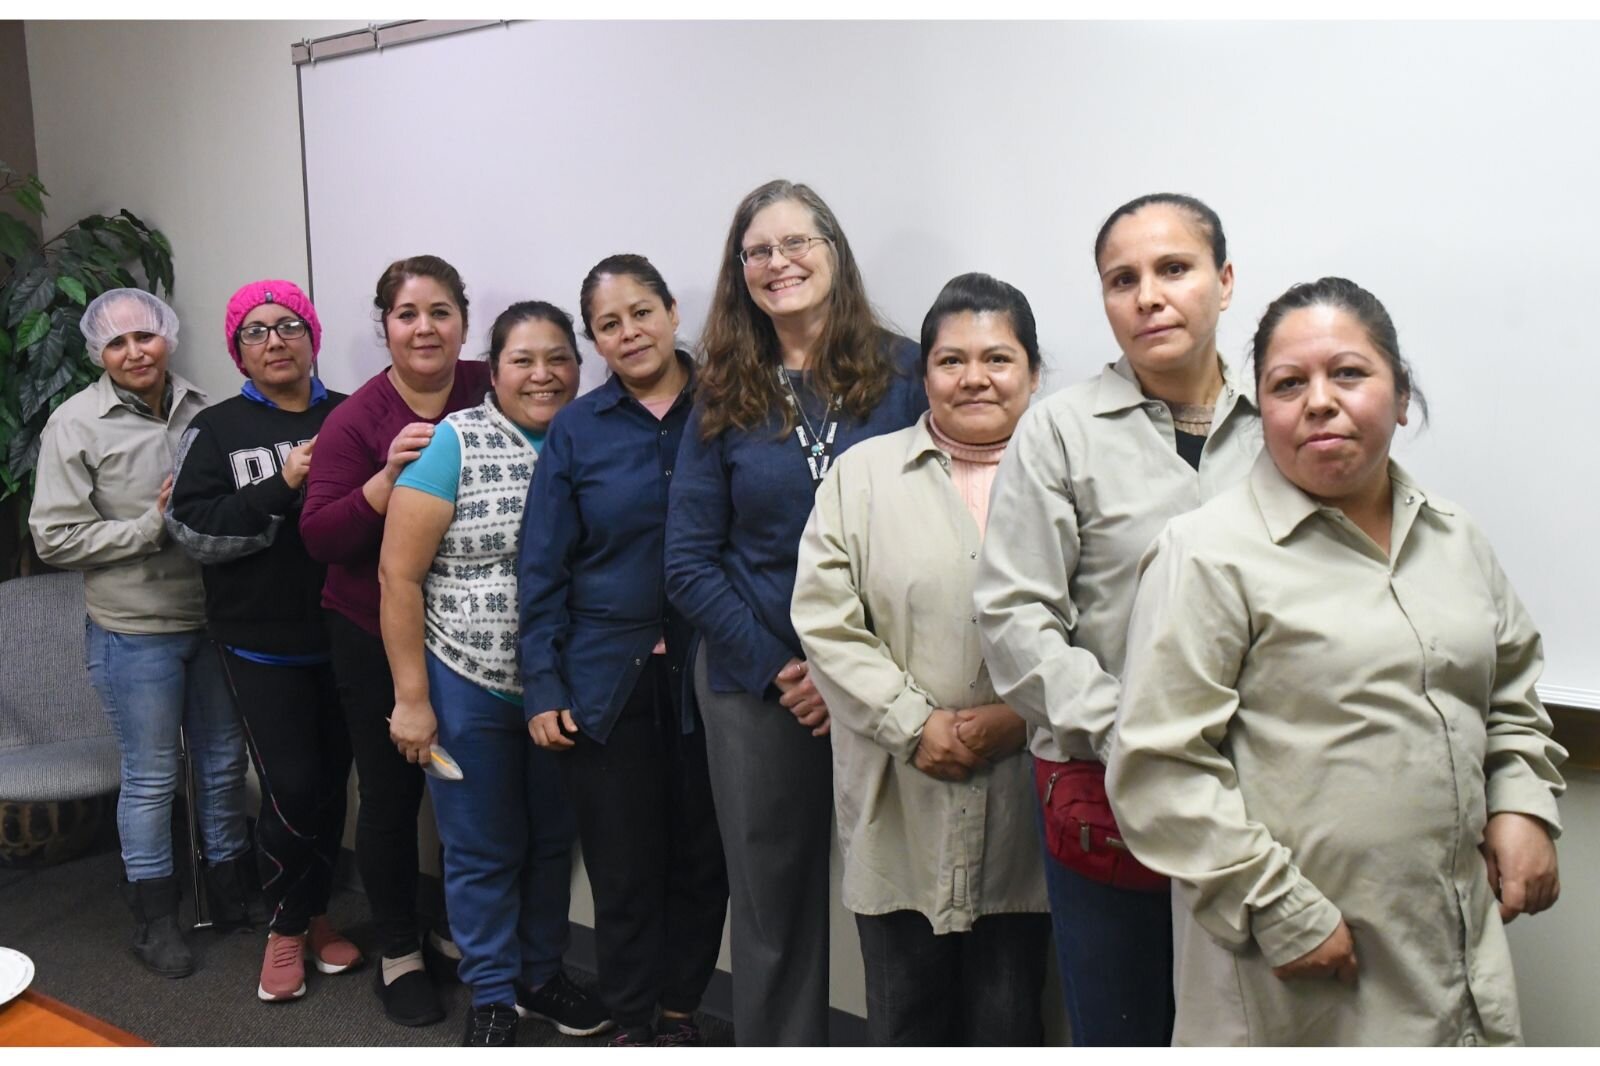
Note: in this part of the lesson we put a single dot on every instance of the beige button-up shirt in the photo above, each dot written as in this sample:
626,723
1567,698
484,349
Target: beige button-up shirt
1091,476
883,606
101,464
1312,728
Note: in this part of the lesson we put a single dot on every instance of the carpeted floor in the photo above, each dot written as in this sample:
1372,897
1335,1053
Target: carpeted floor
71,921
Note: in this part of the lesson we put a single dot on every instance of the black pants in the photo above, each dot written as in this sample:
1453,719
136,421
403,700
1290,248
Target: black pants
980,988
296,735
650,844
389,787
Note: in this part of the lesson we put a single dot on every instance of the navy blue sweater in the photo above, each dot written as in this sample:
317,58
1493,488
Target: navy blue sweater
590,578
738,505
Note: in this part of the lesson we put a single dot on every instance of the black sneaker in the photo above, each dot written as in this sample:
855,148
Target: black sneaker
678,1032
571,1009
634,1036
491,1025
409,999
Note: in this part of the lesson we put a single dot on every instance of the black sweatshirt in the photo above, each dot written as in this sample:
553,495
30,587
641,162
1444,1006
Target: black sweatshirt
232,511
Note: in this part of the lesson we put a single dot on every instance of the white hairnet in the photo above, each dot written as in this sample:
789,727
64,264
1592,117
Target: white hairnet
118,311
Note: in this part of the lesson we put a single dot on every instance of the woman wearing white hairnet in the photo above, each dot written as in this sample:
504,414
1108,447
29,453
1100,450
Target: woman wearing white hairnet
103,482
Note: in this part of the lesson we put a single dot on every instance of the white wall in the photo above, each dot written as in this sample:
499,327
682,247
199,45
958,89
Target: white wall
194,127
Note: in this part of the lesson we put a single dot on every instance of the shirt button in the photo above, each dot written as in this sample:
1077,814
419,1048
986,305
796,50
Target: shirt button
638,662
972,684
974,619
663,433
668,473
972,555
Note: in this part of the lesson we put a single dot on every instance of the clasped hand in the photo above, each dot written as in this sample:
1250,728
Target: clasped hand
955,743
799,696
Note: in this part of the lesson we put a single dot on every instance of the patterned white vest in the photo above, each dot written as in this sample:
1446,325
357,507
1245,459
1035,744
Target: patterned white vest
470,594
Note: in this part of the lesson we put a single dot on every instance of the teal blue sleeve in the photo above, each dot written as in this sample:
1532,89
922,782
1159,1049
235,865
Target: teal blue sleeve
437,471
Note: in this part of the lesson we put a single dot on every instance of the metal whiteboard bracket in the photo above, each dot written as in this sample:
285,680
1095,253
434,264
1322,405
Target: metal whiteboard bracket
378,37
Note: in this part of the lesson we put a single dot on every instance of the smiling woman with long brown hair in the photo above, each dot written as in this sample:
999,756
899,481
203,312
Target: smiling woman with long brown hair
797,369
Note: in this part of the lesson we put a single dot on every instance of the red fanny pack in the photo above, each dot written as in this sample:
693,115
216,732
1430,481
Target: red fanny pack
1080,830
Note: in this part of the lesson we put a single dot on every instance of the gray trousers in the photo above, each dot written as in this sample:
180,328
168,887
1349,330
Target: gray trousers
773,786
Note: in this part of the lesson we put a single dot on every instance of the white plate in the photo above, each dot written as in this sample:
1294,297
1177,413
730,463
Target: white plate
16,974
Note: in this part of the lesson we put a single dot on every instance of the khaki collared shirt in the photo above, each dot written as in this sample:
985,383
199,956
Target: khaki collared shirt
1091,476
1312,728
101,464
883,606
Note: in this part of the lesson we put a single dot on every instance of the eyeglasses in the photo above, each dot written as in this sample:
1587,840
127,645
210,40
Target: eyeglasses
793,248
289,329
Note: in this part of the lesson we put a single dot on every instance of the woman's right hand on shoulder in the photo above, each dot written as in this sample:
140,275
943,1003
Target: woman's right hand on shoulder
297,464
549,730
406,446
940,752
413,728
1335,957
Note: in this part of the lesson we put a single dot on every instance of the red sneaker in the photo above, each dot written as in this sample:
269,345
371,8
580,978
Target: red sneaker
329,949
283,970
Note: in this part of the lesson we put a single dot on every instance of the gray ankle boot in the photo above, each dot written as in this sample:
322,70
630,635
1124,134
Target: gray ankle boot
157,941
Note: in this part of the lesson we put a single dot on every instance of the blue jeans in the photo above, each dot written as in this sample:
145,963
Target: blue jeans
151,685
507,830
1114,947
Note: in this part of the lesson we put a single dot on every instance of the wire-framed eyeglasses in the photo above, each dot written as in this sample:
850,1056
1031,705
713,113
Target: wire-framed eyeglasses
794,247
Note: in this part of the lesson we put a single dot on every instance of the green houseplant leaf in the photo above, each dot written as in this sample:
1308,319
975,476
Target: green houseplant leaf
73,288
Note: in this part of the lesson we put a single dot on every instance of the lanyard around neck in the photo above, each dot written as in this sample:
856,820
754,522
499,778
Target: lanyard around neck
816,442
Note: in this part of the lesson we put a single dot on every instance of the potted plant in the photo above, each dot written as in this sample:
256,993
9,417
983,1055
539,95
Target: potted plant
44,286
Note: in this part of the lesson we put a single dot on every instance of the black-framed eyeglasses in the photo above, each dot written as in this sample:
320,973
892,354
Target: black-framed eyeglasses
289,329
793,248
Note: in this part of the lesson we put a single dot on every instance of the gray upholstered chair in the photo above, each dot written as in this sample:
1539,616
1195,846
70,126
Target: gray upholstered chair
58,757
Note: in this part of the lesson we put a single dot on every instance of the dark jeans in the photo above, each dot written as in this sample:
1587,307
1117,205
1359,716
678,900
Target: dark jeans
980,988
507,832
295,731
1115,951
389,787
650,844
773,783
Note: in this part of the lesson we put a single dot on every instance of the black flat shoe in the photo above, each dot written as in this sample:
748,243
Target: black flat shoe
409,999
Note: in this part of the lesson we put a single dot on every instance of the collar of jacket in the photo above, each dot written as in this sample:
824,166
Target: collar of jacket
1284,506
922,446
107,400
1119,391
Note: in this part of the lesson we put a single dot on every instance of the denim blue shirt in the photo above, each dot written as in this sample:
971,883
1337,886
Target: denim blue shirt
590,574
739,503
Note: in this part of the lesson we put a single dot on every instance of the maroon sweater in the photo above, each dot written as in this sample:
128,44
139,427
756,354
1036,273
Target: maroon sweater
337,524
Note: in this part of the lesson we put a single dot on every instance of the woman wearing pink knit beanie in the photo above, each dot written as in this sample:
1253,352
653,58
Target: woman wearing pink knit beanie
236,509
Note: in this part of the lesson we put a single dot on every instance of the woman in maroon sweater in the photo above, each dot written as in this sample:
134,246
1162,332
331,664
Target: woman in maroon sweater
361,450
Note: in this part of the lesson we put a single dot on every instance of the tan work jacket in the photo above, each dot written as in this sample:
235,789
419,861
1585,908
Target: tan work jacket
883,606
1091,476
101,464
1311,728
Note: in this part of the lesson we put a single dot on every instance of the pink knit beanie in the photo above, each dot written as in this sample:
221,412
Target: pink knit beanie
253,295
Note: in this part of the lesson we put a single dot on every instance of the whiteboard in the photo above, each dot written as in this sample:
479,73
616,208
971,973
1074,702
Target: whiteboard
1450,168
